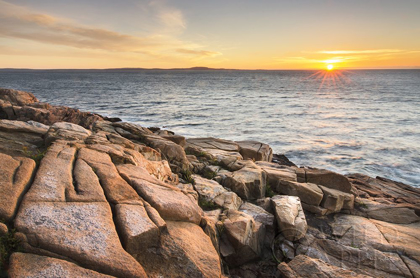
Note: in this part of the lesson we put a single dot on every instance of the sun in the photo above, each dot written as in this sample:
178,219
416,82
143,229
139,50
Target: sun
330,67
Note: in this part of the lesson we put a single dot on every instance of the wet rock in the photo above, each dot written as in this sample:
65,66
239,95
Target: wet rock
290,217
15,177
30,265
304,266
281,159
249,182
242,239
255,150
212,191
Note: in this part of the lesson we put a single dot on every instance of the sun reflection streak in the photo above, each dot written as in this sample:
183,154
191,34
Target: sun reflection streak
333,77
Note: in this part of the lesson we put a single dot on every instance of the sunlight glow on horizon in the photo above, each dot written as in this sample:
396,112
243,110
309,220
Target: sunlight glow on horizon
178,34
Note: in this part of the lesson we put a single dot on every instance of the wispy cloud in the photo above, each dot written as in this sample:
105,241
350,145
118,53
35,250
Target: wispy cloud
18,22
371,51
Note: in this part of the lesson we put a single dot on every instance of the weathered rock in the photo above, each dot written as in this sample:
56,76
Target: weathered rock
15,177
54,175
358,243
169,201
212,191
224,152
385,189
290,217
304,266
197,247
335,200
117,190
308,193
30,265
3,229
328,179
15,97
262,216
242,239
277,172
208,222
137,230
392,213
185,252
20,138
23,127
255,150
249,182
281,159
18,105
83,232
66,131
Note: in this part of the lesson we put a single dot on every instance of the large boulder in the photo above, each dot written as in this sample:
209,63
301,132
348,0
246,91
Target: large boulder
335,200
276,172
256,151
30,265
212,191
249,182
328,179
15,177
185,251
308,193
290,217
242,238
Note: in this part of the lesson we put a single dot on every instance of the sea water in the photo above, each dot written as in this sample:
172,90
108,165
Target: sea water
365,121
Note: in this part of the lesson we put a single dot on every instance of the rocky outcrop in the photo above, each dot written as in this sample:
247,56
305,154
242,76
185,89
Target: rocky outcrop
87,197
23,106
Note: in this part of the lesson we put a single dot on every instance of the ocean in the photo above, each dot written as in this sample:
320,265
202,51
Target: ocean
365,121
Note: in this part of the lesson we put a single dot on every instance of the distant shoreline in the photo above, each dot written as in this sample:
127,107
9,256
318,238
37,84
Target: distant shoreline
201,69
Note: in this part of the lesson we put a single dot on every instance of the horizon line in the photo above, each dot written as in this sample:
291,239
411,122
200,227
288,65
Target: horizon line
209,68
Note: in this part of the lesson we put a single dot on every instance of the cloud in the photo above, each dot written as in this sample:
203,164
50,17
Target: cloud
371,51
18,22
202,53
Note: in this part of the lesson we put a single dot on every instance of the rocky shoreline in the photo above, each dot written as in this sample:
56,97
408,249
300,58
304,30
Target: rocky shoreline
86,196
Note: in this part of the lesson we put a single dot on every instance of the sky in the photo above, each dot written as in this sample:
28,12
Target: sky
235,34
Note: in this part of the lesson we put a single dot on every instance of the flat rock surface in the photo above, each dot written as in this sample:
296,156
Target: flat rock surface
15,176
30,265
83,232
